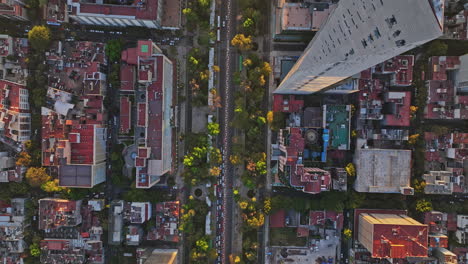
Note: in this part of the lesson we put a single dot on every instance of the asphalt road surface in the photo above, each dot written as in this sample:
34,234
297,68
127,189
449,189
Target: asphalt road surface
227,62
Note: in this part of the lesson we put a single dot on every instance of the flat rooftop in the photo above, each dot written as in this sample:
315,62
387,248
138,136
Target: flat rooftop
337,121
382,170
75,175
357,36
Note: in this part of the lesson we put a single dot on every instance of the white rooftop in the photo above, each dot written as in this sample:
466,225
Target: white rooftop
360,34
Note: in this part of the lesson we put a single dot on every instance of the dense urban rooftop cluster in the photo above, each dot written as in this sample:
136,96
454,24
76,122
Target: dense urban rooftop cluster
201,131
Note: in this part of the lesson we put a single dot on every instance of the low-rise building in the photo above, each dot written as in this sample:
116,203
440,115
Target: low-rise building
296,18
336,119
12,225
462,254
339,179
158,255
390,235
446,85
438,182
462,229
9,172
326,219
154,111
13,9
400,69
456,27
445,256
133,235
137,212
55,12
292,165
384,96
445,154
74,134
383,171
440,223
116,222
15,115
287,103
71,251
55,213
167,222
125,115
13,52
140,13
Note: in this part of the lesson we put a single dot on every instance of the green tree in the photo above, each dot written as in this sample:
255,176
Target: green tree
350,169
34,250
52,186
423,206
39,37
419,185
437,48
204,3
347,233
202,245
24,159
248,22
242,42
37,176
213,128
114,49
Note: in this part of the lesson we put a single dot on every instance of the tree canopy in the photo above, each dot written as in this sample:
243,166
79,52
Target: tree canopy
39,37
242,42
37,176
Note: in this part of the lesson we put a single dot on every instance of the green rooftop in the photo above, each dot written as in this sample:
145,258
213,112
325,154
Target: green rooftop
337,120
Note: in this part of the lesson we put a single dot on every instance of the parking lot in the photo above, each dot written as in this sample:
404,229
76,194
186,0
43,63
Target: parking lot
325,249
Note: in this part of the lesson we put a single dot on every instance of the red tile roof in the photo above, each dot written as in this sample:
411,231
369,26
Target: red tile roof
10,92
401,68
394,240
167,221
140,9
142,152
302,232
278,218
312,180
287,103
438,241
125,114
54,213
82,152
319,218
130,56
155,112
141,114
401,117
440,94
127,77
316,217
438,66
151,67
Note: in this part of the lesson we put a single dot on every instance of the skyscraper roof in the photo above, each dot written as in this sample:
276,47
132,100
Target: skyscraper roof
359,35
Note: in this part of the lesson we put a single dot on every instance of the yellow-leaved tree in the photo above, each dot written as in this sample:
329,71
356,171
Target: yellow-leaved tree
242,42
37,176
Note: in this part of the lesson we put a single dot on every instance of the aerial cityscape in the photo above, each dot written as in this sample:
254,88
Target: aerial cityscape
233,131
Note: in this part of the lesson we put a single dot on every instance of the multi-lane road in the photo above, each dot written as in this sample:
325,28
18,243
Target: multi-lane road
226,57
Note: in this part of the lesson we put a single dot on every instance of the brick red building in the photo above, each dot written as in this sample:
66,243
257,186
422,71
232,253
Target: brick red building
287,103
167,222
301,177
15,116
444,100
400,69
391,235
154,76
